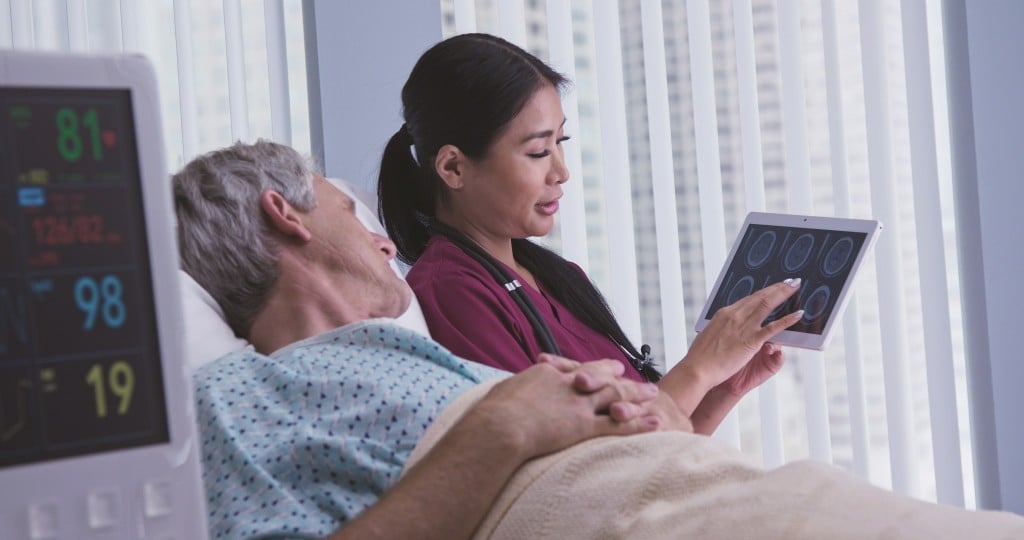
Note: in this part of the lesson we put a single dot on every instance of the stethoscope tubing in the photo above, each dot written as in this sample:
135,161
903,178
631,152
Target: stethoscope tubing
509,282
518,293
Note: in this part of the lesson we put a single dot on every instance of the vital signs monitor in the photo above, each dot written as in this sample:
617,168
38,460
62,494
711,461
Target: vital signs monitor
97,434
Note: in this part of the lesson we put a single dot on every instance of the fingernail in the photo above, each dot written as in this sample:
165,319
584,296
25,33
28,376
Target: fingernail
651,421
799,312
650,389
792,282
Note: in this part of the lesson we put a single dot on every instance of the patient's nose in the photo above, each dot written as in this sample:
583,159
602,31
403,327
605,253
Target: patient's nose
385,245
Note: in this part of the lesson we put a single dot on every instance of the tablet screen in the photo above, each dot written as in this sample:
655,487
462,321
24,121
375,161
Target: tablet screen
824,257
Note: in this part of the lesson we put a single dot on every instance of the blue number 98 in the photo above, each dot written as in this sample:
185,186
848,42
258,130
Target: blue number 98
100,299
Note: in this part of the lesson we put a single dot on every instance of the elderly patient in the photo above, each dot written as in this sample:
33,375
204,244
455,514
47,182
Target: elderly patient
305,433
308,435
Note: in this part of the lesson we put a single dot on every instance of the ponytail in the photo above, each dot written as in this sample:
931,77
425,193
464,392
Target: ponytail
405,197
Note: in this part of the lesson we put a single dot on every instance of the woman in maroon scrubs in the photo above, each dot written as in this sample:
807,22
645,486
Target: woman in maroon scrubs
474,171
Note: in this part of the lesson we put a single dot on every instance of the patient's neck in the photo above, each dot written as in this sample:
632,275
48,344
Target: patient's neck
302,304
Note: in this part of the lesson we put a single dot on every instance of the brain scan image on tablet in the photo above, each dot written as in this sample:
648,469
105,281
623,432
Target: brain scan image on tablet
823,252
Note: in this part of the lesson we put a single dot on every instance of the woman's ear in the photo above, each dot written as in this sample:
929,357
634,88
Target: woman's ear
450,165
282,217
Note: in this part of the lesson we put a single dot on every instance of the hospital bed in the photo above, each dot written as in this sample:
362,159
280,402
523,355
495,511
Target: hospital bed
656,485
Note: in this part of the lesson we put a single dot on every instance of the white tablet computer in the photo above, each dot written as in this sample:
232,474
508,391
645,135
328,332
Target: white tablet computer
824,252
97,433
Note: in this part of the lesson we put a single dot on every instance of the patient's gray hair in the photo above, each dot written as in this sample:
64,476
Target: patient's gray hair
222,233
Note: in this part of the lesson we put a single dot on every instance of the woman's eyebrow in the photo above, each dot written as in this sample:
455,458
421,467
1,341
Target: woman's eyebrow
541,134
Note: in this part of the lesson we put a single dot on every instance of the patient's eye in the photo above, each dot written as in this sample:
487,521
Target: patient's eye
563,138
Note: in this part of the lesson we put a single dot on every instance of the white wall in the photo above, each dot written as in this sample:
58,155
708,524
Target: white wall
985,69
387,38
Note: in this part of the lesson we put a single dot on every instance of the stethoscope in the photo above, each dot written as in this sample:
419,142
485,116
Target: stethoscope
519,295
505,279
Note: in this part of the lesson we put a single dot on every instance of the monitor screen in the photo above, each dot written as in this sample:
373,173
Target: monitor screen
80,367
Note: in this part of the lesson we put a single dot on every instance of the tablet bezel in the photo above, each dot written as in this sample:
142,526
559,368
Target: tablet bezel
870,227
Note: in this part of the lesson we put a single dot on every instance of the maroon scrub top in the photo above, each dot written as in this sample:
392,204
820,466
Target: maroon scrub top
473,315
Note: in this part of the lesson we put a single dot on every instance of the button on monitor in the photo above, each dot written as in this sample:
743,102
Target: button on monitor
43,523
102,508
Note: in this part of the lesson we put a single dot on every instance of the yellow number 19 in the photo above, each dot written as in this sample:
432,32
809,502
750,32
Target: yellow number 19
121,380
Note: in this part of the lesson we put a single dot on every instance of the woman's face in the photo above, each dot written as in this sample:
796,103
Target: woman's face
513,191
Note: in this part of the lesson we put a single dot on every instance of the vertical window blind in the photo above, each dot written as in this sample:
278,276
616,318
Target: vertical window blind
691,113
230,70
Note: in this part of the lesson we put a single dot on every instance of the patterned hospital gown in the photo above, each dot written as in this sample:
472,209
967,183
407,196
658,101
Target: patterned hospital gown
297,444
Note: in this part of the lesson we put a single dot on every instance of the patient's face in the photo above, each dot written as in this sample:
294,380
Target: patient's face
357,258
513,191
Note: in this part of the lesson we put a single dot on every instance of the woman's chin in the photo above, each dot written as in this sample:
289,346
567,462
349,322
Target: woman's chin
543,228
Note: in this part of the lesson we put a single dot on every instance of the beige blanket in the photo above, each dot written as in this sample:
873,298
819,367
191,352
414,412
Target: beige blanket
680,485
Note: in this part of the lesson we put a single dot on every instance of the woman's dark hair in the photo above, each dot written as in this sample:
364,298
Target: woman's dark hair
464,91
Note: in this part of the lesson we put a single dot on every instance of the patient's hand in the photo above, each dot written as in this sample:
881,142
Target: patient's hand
559,402
662,407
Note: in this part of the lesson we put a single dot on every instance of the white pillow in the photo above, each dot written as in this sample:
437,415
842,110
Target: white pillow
207,334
